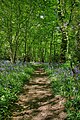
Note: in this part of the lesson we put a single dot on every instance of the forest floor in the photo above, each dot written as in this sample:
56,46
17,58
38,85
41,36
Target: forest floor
36,102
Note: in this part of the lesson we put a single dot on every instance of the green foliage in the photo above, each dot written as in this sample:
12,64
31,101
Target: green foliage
47,32
48,71
66,85
10,85
73,108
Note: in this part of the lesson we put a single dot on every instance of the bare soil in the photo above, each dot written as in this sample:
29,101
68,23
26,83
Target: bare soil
37,102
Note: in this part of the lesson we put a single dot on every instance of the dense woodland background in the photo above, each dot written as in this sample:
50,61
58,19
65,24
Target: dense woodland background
40,30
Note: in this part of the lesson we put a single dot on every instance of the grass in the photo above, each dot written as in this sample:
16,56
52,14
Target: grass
68,86
11,83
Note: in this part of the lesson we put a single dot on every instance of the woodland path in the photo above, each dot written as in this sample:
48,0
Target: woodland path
37,102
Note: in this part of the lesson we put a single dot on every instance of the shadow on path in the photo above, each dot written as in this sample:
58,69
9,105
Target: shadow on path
36,102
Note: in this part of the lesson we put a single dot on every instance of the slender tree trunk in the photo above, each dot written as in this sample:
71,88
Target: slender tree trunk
25,44
63,46
51,43
16,45
9,34
61,10
78,44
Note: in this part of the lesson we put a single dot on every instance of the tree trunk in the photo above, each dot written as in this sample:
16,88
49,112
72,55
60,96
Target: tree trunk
63,46
78,44
51,42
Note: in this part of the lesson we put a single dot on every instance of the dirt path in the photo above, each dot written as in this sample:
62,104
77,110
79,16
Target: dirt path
37,102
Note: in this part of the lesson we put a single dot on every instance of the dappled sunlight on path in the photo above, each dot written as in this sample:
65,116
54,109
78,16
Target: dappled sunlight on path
36,102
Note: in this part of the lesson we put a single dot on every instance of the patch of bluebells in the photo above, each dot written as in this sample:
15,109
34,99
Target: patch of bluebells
12,78
67,83
7,66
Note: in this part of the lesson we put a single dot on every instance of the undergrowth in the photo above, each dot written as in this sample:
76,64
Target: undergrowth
12,79
66,84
